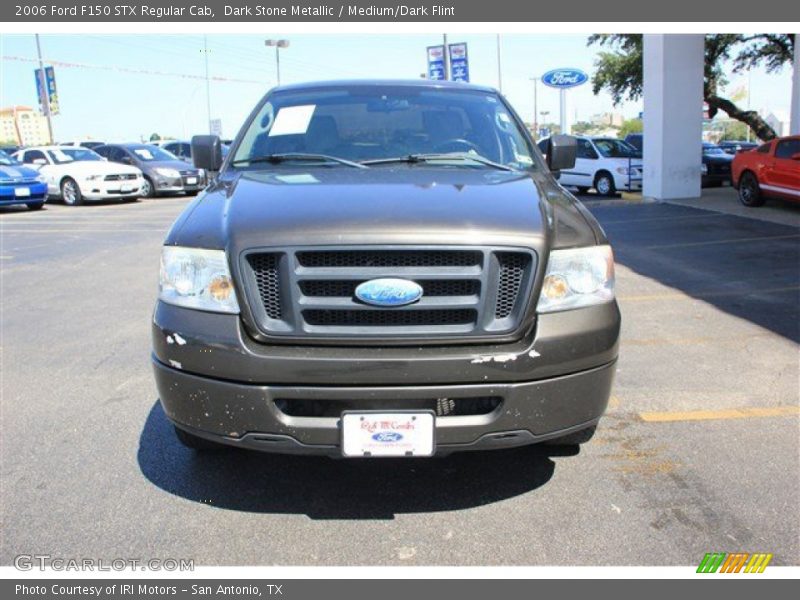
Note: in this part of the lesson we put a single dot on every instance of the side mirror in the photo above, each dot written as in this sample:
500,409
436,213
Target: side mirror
207,152
126,159
39,161
562,150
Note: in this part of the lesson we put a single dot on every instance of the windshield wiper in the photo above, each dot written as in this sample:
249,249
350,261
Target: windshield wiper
418,158
300,156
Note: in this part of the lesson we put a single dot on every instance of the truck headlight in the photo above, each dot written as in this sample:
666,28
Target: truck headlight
197,278
576,278
165,172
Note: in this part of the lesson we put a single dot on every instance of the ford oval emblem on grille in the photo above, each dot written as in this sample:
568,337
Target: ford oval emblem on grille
389,292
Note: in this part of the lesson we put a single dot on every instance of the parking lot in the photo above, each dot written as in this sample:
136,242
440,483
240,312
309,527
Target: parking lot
699,451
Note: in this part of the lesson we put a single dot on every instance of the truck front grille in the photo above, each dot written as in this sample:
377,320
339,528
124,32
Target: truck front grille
309,293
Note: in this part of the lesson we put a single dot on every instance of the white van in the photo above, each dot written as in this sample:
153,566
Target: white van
606,164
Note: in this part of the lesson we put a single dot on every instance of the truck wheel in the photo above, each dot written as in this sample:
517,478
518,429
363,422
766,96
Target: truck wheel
749,190
574,439
195,442
71,192
604,184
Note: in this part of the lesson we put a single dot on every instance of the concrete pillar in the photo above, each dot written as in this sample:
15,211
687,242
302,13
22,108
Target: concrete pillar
673,115
794,125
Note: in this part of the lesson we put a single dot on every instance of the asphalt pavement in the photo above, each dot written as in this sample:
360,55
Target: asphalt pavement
699,451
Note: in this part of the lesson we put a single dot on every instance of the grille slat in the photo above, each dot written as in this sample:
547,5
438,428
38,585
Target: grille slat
389,258
345,288
309,293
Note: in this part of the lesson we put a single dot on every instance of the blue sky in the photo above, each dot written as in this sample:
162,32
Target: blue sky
103,101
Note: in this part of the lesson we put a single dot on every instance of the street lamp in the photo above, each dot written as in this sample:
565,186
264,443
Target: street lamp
278,45
535,81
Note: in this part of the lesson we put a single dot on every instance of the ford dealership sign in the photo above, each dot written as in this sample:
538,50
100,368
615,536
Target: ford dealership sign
564,78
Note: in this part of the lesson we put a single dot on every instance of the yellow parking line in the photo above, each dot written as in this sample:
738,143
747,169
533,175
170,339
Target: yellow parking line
693,296
728,241
727,413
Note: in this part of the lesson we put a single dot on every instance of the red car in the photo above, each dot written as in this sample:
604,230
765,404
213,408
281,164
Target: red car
771,170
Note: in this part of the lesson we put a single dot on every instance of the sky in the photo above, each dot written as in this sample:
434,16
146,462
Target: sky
123,87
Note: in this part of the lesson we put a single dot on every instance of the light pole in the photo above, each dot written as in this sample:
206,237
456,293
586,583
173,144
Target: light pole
446,57
499,66
535,81
208,82
278,45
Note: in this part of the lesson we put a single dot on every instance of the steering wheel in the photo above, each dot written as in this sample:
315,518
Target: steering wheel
456,145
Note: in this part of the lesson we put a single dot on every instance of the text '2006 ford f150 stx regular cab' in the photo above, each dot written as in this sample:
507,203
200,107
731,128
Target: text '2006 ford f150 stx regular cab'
384,269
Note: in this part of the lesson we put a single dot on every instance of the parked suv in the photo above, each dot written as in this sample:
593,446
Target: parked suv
384,269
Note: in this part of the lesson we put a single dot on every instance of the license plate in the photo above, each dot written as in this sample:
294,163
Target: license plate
370,434
126,187
191,180
22,192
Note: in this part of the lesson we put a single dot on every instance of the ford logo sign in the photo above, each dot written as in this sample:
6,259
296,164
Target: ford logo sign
387,436
389,292
564,78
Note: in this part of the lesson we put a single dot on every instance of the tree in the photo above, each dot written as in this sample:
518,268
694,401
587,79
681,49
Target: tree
630,126
154,137
582,127
620,70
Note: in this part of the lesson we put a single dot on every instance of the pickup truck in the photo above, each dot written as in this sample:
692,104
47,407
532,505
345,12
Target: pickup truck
384,268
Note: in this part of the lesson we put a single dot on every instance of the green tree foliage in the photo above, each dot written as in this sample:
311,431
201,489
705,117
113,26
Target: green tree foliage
620,70
631,126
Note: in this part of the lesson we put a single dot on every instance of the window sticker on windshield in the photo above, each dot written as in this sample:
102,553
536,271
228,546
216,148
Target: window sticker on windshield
292,120
144,153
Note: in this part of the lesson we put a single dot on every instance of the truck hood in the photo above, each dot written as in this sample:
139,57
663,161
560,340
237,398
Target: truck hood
382,205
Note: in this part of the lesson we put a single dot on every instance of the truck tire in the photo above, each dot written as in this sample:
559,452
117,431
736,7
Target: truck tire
575,438
749,190
195,442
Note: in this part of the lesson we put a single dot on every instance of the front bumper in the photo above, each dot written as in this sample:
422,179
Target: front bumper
104,190
10,194
624,184
216,382
179,184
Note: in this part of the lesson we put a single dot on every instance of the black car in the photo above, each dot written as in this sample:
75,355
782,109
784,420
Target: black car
164,173
385,269
716,167
636,140
732,146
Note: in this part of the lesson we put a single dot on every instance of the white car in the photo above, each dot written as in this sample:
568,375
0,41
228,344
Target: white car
76,174
606,164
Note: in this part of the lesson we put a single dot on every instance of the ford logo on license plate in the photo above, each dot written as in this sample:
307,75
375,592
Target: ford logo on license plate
389,292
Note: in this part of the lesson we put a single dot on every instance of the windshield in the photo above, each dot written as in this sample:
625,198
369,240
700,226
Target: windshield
81,154
149,153
59,157
365,123
611,148
712,149
6,160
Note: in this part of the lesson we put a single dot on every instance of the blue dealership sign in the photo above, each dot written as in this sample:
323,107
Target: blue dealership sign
564,78
436,63
459,62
